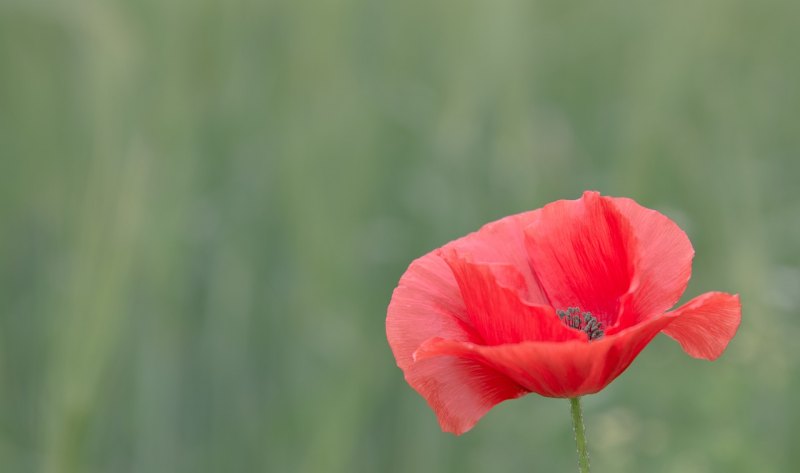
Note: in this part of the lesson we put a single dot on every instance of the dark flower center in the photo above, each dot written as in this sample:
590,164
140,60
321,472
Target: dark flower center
583,321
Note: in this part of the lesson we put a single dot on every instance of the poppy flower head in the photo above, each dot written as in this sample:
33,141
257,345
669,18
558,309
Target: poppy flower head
556,301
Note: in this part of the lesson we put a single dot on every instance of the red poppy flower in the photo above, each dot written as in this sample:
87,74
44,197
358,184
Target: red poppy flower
556,301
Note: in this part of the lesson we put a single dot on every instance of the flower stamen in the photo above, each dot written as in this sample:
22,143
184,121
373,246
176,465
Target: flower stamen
583,321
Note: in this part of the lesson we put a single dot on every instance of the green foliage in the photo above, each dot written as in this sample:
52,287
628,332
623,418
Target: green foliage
205,205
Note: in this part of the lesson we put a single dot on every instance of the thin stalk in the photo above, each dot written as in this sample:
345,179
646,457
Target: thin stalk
580,434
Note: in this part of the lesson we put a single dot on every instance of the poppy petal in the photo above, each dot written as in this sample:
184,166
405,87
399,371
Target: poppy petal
459,390
663,262
491,297
427,303
503,242
705,325
583,254
565,369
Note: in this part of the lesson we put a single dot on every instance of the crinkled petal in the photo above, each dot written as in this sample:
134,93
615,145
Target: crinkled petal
566,369
502,242
427,303
459,390
491,298
583,252
705,325
663,262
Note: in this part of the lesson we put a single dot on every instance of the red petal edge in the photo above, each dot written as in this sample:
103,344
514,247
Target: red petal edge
427,303
663,263
705,325
502,242
583,252
491,294
459,390
560,369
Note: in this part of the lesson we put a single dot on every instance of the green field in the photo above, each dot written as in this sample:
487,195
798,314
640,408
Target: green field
205,206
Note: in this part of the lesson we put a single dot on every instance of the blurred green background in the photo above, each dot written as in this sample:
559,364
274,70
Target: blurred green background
205,206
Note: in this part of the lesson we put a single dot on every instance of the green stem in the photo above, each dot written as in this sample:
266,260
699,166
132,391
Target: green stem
580,434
